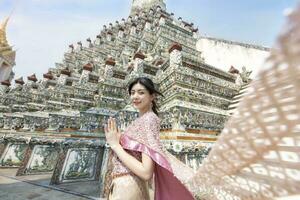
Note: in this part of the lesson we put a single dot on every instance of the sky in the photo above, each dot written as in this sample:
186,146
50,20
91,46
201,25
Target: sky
41,30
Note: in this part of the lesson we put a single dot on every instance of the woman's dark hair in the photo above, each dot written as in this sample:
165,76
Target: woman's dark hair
149,85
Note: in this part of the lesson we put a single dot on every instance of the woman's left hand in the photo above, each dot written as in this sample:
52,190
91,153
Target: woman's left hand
112,133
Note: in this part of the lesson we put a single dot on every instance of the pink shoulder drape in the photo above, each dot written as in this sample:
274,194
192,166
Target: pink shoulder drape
169,174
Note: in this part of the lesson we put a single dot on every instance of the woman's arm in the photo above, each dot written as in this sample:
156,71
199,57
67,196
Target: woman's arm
143,169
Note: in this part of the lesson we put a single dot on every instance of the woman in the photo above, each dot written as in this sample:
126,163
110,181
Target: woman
139,155
249,160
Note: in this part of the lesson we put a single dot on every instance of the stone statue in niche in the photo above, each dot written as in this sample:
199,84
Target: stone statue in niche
245,75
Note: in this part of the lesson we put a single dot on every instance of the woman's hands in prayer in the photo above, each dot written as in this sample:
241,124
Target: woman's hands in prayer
143,169
112,133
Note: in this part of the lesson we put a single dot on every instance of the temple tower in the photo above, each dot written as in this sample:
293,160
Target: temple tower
7,55
143,5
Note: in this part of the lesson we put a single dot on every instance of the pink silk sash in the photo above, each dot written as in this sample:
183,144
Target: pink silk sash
143,136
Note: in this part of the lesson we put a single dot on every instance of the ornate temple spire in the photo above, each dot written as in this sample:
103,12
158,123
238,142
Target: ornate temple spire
7,55
3,40
140,5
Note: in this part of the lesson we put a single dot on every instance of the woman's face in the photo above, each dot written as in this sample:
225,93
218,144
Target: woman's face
141,98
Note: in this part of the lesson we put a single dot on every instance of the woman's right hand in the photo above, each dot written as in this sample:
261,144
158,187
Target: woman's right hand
112,133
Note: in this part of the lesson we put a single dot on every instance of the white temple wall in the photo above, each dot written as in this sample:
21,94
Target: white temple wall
224,54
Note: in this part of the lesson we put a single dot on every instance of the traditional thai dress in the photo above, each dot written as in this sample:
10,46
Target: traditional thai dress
142,136
125,184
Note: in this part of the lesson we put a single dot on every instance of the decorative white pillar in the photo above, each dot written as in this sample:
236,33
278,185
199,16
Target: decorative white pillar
139,63
175,55
236,73
110,26
46,77
123,22
162,20
180,22
98,40
109,64
195,33
89,42
172,16
158,8
71,48
129,19
87,69
133,29
109,36
79,46
121,33
136,17
143,14
159,72
64,74
151,12
148,25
